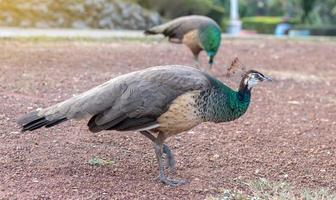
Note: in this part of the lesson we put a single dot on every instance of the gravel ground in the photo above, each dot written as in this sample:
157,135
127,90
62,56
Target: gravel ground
288,134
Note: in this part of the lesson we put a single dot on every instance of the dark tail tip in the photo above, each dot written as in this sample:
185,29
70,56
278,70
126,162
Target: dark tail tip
32,121
149,32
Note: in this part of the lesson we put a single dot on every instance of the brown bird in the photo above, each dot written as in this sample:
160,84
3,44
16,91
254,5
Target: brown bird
197,32
159,102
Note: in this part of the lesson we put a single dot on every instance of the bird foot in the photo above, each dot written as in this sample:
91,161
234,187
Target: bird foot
171,182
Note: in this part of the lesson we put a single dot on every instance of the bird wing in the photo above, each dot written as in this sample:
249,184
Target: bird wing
180,26
130,101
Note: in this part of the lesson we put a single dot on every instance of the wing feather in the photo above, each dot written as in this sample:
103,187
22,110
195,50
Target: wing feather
130,100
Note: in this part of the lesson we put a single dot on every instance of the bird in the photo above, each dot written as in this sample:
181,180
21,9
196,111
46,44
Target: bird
195,31
158,102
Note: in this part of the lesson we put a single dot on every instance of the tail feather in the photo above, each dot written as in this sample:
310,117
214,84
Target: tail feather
170,30
33,121
151,32
55,122
156,30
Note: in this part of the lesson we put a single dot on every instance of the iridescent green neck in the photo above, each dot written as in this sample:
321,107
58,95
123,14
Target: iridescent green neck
210,38
225,104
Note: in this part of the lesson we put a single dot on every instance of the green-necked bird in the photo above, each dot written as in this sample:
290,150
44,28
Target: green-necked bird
159,102
197,32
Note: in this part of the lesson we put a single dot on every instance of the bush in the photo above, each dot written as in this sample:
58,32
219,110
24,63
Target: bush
329,30
107,14
175,8
263,24
216,13
224,24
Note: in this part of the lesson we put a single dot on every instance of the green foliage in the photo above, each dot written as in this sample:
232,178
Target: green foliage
318,29
224,24
95,161
312,11
262,24
264,189
176,8
216,13
307,6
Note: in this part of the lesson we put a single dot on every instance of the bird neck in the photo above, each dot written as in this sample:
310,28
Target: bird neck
225,104
244,93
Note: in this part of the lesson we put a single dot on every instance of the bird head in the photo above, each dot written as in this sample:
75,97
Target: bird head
252,78
210,40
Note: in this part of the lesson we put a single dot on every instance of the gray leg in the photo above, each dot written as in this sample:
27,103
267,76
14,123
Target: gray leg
165,149
210,66
197,63
162,177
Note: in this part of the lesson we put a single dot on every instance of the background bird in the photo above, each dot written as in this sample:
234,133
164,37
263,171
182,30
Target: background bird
197,32
159,102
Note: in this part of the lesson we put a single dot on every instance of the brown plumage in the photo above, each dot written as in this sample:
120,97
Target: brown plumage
159,102
196,32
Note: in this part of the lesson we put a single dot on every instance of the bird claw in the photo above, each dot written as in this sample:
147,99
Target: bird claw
171,182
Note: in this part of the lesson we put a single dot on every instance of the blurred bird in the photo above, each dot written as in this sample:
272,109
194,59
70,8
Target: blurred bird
159,102
197,32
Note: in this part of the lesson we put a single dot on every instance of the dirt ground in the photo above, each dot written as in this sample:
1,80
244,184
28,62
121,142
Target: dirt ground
288,134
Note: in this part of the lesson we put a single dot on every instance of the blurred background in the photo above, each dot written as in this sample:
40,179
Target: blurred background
302,17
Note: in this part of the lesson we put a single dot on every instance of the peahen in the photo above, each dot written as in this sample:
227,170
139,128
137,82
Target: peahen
159,102
197,32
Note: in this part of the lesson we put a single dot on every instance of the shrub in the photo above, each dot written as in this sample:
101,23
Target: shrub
216,13
329,30
224,24
175,8
263,24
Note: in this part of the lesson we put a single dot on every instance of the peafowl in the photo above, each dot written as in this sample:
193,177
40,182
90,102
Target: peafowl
158,102
197,32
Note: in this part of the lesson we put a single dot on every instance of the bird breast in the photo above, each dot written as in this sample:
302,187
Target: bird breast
191,40
182,114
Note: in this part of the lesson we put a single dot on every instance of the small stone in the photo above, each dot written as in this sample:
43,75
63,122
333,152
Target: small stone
35,180
294,102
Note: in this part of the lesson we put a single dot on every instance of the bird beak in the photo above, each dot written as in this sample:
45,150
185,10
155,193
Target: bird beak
267,78
210,61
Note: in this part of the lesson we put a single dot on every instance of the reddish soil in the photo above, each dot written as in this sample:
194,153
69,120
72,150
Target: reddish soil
288,133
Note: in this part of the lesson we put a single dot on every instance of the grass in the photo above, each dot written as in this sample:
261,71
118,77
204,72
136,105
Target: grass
95,161
263,189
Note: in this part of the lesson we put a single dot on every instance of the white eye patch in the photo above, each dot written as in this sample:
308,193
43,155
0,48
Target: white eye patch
251,81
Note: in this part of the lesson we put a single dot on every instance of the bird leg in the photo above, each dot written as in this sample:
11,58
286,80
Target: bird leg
165,149
164,179
210,66
197,63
